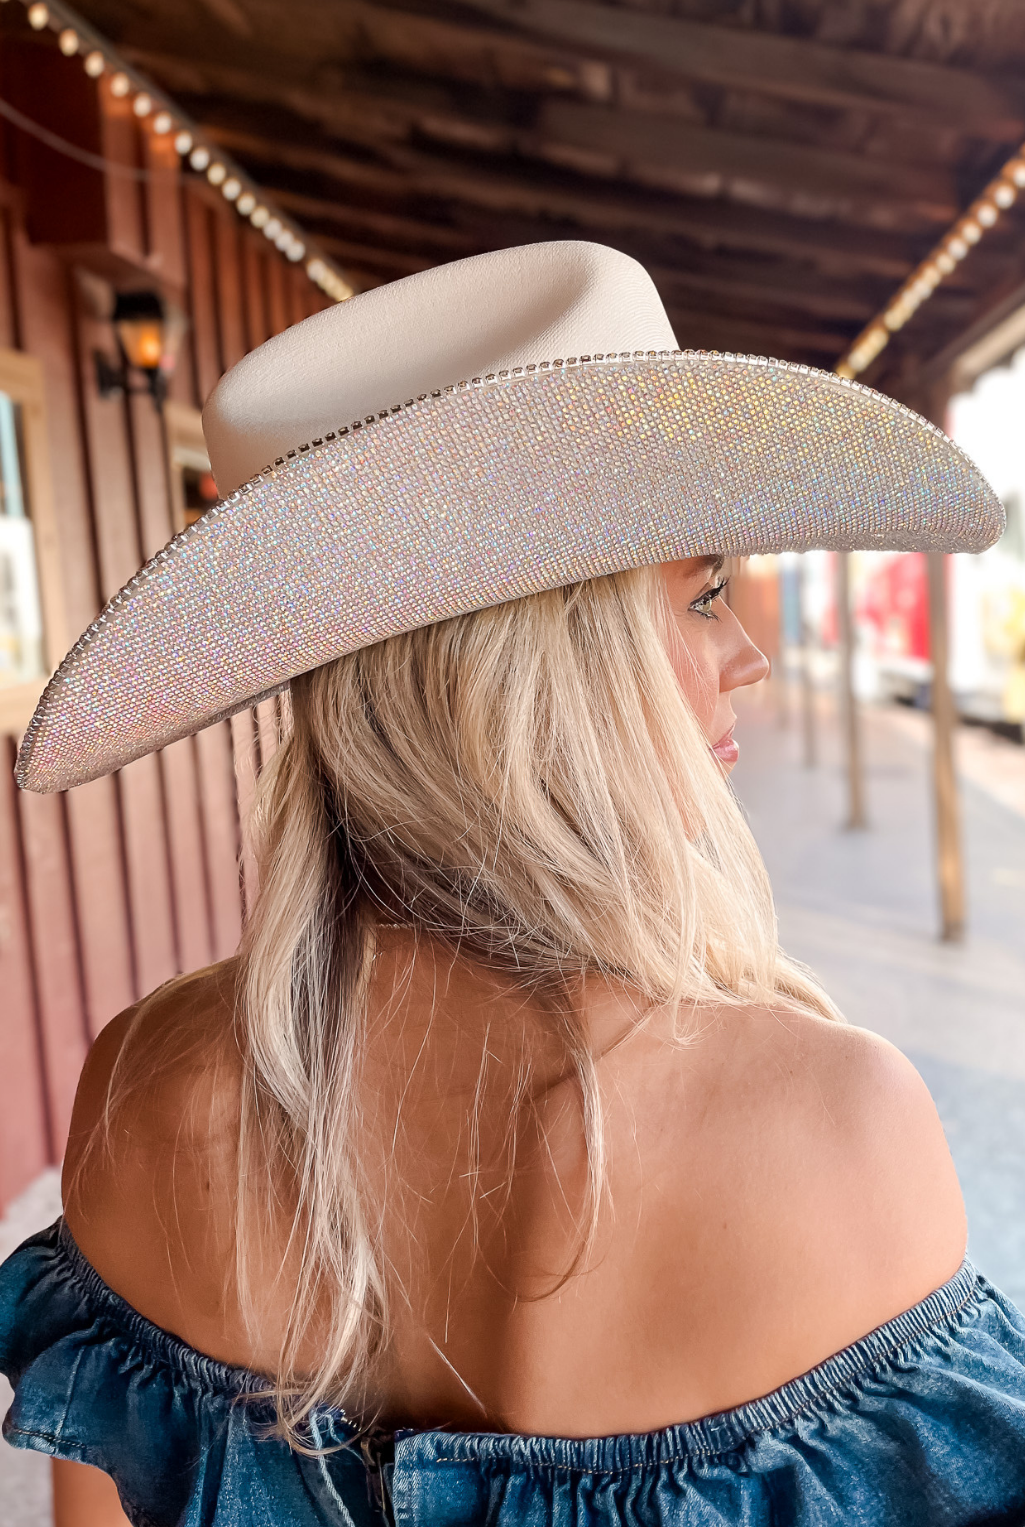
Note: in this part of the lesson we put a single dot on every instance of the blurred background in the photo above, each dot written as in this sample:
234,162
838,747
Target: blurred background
833,183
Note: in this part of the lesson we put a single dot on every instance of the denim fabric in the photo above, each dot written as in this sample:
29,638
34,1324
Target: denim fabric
919,1424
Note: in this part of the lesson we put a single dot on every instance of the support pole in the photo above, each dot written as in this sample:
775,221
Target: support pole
808,730
949,863
848,699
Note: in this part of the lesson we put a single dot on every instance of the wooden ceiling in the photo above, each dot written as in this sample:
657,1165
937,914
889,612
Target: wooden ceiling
778,165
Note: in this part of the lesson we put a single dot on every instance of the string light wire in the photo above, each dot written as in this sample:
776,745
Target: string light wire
151,106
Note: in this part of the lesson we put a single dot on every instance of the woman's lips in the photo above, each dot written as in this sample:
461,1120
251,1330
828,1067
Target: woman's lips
726,750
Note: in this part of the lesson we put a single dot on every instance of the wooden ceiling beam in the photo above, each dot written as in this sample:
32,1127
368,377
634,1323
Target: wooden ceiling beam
711,224
736,160
604,141
792,286
794,69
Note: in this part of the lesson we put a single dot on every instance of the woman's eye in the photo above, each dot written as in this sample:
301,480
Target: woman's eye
704,602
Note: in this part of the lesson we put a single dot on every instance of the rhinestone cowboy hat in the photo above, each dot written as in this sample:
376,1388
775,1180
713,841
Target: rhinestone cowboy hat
484,430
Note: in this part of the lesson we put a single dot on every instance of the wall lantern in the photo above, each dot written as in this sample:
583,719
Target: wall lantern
149,330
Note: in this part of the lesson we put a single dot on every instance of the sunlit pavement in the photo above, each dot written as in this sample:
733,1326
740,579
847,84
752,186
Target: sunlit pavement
860,908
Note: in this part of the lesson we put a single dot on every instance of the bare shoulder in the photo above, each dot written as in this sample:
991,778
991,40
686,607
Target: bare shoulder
874,1180
150,1161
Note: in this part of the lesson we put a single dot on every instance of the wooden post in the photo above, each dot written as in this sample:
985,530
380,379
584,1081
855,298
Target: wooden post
808,730
949,864
848,698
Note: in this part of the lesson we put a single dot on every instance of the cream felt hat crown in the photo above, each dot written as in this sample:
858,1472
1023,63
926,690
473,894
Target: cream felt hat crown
482,431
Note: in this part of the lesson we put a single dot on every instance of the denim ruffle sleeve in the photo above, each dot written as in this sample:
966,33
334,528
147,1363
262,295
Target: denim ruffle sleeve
921,1423
183,1437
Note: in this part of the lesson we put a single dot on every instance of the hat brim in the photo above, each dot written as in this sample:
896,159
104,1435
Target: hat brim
485,492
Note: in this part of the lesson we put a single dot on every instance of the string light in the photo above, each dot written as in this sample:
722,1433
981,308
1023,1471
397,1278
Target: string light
233,189
941,262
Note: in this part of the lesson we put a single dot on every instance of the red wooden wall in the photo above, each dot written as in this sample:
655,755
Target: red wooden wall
112,888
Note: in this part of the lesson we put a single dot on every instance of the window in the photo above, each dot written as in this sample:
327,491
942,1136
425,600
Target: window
31,616
192,486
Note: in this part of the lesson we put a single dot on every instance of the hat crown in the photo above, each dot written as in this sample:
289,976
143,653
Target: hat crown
485,314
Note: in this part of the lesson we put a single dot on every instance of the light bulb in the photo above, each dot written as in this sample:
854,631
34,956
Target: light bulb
182,143
216,173
283,240
986,214
162,123
246,203
1004,194
945,262
231,188
296,249
199,158
957,248
38,16
272,228
94,64
142,105
120,85
1017,171
970,231
68,42
258,217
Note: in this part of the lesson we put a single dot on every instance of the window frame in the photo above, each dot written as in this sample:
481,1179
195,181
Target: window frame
21,378
183,433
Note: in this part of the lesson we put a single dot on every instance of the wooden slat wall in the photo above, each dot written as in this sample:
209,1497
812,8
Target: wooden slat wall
113,888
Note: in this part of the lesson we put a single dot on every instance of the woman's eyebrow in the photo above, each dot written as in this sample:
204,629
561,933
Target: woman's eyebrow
714,565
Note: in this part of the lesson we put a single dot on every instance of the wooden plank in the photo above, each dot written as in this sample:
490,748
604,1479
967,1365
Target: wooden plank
25,1145
277,298
187,855
164,217
254,289
127,233
228,275
150,900
56,955
202,309
683,149
117,525
101,901
9,336
219,813
48,304
795,69
552,201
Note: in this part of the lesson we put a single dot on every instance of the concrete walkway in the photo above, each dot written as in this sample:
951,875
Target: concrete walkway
860,909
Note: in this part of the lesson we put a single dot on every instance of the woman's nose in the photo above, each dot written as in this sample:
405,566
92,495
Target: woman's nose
744,663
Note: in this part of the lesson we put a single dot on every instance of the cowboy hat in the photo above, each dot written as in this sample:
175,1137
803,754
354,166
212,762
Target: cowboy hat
484,430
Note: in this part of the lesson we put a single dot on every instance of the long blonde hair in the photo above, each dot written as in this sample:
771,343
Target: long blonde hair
527,784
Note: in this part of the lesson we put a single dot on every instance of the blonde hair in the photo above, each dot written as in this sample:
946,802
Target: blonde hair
528,785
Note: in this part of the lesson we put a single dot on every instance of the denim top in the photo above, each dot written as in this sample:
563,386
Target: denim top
919,1424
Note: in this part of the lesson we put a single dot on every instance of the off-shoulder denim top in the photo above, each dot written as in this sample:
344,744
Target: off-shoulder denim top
919,1424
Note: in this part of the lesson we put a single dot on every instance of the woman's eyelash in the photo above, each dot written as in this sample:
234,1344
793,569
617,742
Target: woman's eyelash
703,604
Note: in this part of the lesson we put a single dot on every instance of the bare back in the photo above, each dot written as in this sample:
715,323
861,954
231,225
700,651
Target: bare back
777,1187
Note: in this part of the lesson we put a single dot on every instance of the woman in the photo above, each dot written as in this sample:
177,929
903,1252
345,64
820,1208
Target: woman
511,1172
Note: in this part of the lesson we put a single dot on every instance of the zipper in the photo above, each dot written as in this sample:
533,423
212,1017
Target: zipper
378,1449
